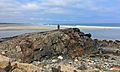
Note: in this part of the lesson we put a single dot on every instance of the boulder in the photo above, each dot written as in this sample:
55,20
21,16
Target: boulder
24,67
4,61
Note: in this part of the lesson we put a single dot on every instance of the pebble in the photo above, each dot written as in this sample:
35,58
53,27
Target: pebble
76,60
3,53
18,48
36,62
74,71
70,62
54,60
82,67
55,69
60,57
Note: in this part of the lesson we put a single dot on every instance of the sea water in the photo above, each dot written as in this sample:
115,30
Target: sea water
11,33
109,34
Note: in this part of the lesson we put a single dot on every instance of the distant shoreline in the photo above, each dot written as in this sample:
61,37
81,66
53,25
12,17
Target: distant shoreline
52,27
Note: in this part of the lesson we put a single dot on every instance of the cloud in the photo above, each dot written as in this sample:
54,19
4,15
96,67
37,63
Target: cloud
9,8
30,6
74,8
93,5
54,6
56,10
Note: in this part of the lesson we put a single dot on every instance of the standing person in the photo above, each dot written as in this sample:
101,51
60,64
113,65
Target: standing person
58,26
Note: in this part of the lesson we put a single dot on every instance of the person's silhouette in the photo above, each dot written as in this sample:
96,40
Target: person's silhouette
58,26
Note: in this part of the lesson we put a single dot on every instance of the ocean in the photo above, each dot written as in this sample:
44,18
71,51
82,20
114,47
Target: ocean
108,34
92,24
11,33
112,34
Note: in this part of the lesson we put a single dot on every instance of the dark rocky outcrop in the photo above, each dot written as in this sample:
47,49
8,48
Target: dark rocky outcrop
108,43
43,45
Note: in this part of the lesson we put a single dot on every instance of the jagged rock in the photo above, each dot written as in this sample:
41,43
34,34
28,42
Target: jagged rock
7,66
88,35
109,43
43,45
56,69
4,61
24,67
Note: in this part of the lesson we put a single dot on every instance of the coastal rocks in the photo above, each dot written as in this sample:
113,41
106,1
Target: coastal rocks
106,50
44,45
109,43
63,50
24,67
7,66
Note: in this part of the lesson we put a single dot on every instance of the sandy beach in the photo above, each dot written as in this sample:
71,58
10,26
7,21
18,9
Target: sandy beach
51,27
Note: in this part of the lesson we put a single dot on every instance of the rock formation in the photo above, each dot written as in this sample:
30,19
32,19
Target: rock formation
43,45
61,50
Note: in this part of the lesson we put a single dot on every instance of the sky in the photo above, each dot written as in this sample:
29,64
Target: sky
60,11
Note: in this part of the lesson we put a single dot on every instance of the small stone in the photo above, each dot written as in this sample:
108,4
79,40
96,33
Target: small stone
56,70
3,53
74,71
54,60
18,48
113,59
79,58
60,57
36,62
90,62
82,66
70,62
76,60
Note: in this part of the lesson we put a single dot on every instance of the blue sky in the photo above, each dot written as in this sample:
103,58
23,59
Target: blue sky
60,11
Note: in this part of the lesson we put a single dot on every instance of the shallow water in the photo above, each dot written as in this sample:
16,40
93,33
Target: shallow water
11,33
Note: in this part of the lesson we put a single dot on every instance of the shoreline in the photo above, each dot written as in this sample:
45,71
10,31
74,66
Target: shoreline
52,27
102,33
